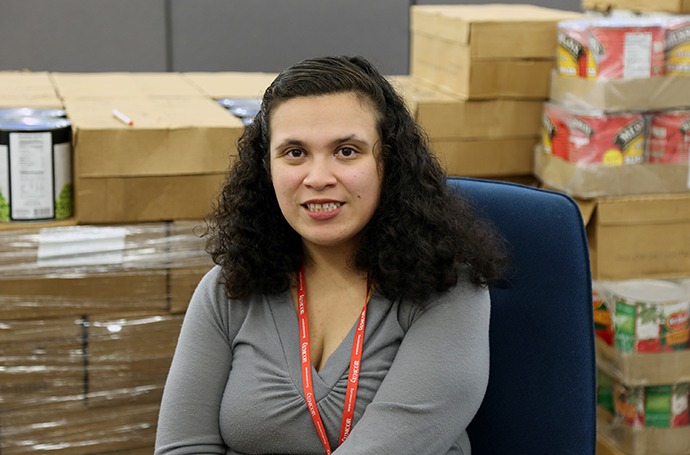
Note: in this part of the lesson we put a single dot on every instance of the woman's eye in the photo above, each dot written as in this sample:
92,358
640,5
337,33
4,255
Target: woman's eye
294,153
347,152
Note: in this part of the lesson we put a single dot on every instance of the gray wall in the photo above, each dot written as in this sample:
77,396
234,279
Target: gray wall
206,35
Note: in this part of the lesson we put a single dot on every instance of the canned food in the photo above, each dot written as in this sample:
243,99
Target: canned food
669,136
660,406
610,139
678,46
31,112
243,108
571,55
626,48
35,168
650,316
555,131
603,326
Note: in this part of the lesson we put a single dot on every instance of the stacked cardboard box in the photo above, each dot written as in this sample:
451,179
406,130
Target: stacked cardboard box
169,164
479,77
27,89
90,317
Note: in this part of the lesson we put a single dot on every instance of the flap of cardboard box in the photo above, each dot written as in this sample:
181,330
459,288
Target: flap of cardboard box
491,29
231,84
27,89
105,85
617,95
176,136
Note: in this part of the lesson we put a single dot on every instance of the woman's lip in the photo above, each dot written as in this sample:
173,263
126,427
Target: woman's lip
322,215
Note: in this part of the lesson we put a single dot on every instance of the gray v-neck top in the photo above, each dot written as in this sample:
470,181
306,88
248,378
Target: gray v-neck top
235,384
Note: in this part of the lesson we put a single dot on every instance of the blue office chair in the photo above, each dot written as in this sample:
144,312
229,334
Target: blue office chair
541,398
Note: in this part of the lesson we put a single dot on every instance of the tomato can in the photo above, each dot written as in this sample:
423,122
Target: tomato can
571,54
658,406
629,48
555,130
650,316
35,168
678,46
611,139
669,136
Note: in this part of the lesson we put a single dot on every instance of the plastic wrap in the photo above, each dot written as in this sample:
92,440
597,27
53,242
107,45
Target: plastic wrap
643,357
89,320
592,153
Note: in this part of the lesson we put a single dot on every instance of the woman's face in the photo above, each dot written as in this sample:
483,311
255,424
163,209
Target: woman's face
324,166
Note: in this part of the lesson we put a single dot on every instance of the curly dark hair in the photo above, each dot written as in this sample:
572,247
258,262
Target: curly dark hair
422,236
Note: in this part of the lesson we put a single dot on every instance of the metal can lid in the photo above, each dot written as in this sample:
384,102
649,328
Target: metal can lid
252,104
31,112
627,22
650,291
33,123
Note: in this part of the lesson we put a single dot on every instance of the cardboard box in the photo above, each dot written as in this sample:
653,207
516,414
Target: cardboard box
620,95
27,89
83,270
169,165
447,116
643,369
222,85
641,440
486,157
129,357
667,6
594,180
638,236
123,85
42,362
77,430
486,51
494,30
450,67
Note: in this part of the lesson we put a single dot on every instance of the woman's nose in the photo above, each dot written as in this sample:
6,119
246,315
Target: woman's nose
320,174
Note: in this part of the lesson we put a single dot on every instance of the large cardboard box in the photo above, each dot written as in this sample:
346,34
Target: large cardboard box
667,6
621,95
638,236
486,157
230,84
27,89
129,357
42,362
486,51
123,85
479,138
72,271
75,429
170,164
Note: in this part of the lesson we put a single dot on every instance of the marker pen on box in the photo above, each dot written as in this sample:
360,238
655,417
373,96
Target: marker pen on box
122,117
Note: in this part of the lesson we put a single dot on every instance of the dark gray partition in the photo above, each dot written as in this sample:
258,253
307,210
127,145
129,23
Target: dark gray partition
269,35
83,35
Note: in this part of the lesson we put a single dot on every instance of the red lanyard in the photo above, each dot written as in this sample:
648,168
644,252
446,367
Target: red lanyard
353,377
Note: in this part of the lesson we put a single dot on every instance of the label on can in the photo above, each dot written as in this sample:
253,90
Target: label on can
555,131
666,406
669,137
629,403
630,52
571,55
678,48
609,139
602,319
31,168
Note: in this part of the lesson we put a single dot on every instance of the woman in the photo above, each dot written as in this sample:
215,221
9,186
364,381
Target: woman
348,310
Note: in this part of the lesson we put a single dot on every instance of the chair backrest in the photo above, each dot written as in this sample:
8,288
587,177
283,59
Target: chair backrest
541,398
